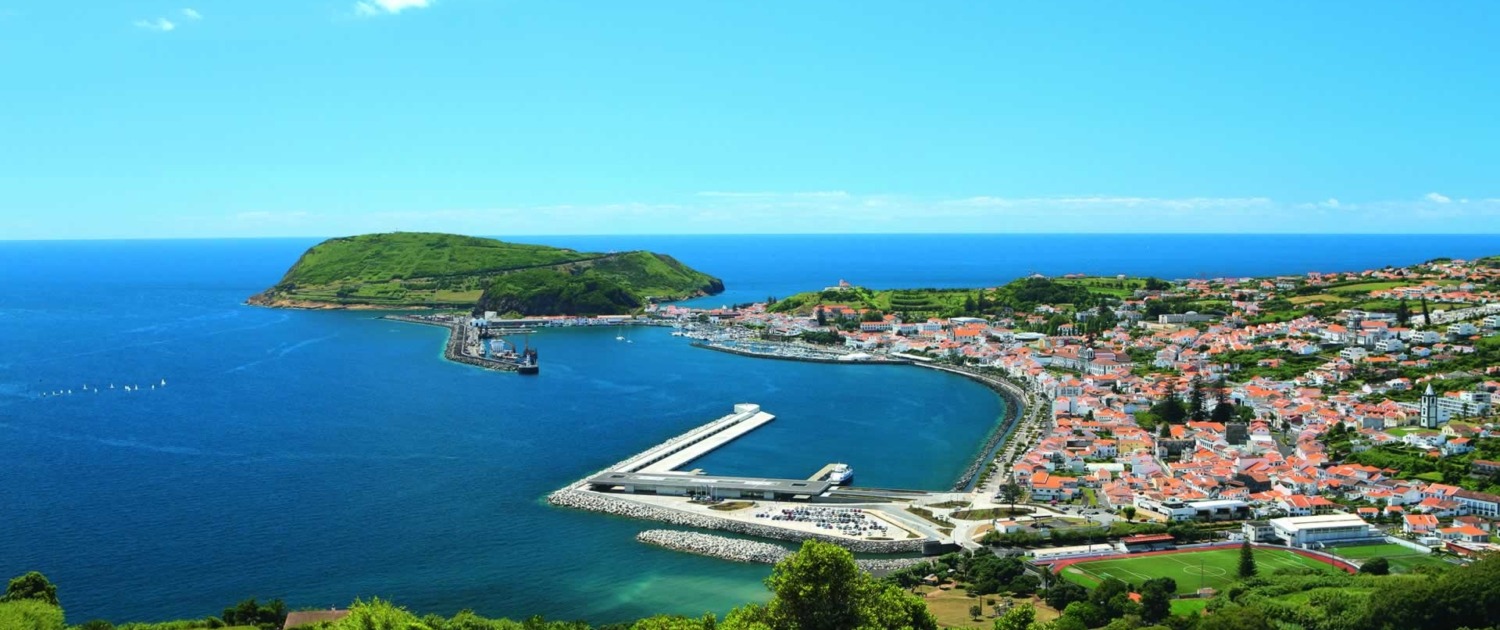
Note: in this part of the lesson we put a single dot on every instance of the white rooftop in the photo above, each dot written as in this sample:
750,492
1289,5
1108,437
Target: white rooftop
1297,523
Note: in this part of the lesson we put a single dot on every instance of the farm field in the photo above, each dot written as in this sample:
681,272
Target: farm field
1318,297
1402,559
1215,568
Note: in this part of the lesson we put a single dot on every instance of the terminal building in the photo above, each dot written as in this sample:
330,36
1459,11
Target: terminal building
1308,531
690,485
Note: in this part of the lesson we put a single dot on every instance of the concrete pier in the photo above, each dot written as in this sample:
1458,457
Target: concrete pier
681,450
649,486
742,424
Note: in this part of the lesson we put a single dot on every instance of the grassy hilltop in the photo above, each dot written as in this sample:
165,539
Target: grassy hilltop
1021,294
427,270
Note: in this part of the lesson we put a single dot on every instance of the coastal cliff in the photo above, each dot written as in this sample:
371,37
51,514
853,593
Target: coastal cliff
407,270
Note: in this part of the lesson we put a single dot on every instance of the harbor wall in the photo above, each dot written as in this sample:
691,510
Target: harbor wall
453,350
741,550
608,504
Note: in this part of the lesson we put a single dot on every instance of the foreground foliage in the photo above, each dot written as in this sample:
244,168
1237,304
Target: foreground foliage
820,588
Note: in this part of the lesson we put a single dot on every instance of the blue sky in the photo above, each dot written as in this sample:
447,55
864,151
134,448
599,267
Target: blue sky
205,118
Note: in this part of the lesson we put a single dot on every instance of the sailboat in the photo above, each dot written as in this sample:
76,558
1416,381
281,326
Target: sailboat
620,334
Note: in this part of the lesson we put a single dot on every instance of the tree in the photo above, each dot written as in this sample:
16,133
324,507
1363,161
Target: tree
377,614
822,317
1169,409
1224,409
32,585
1129,512
1011,492
31,614
1237,618
1086,613
1196,399
1017,618
1376,566
1024,585
1403,313
1156,599
1058,597
820,588
1426,314
250,613
1247,560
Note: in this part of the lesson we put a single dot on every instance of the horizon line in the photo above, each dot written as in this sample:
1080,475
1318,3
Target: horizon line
721,234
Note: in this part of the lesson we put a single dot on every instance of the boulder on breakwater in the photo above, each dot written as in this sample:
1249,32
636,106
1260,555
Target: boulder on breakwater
598,502
741,550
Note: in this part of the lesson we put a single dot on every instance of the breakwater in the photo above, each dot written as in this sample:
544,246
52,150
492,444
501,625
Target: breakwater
1014,397
741,550
609,504
463,342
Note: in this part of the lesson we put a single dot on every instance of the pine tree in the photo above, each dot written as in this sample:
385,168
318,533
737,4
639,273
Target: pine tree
1247,560
1169,409
1426,314
1403,313
1223,409
822,318
1196,399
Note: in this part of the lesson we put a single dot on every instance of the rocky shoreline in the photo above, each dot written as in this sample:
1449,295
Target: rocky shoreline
596,502
740,550
1015,410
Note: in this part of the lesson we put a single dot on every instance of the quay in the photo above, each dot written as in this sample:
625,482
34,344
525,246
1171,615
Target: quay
650,485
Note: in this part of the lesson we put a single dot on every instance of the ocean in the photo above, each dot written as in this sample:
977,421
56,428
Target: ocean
323,456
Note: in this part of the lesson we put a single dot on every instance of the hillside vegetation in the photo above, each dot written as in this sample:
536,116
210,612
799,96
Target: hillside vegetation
1023,294
426,270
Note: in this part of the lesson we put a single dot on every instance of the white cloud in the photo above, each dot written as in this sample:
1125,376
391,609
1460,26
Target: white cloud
817,194
1332,202
160,25
853,212
1437,197
371,8
191,14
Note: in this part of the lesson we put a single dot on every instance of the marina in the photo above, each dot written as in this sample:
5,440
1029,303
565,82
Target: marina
795,352
467,343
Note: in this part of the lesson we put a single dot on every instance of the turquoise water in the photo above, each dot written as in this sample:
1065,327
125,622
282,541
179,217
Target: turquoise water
321,456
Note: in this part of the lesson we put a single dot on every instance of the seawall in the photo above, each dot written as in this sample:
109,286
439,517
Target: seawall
1015,405
609,504
741,550
767,355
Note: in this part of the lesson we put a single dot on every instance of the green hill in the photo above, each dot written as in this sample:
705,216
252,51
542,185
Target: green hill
425,270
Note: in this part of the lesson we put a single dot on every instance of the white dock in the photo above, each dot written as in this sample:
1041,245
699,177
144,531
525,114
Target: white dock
698,442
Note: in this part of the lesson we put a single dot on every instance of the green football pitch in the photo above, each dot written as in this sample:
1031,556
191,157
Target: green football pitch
1192,570
1402,559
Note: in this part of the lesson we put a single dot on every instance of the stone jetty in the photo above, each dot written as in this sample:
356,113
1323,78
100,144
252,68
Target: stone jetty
740,550
607,504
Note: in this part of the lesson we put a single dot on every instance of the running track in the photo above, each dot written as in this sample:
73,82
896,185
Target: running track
1059,565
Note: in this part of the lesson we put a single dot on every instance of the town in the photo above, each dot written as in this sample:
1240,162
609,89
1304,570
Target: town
1311,410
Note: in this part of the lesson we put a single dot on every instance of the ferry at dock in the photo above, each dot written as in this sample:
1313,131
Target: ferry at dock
842,474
